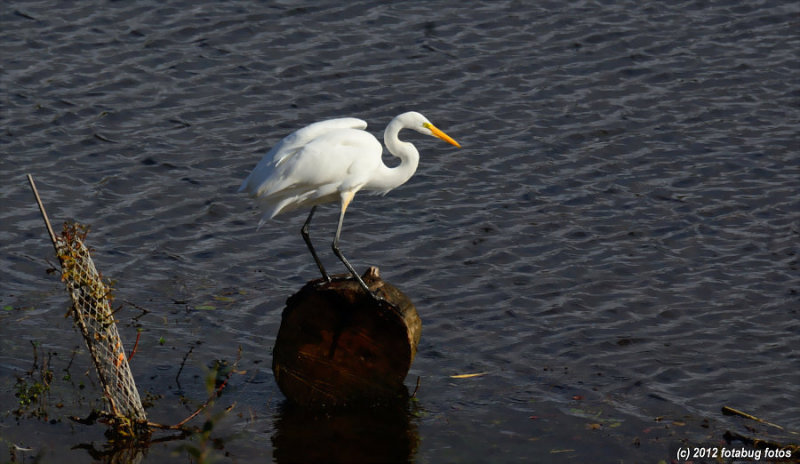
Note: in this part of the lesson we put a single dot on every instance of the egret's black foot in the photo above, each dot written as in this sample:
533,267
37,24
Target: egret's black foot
376,297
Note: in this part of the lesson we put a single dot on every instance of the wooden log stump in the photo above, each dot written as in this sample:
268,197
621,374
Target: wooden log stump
338,346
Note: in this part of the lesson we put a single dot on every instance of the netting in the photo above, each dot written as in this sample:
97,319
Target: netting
91,309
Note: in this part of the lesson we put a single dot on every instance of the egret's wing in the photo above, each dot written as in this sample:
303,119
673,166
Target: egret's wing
336,161
289,146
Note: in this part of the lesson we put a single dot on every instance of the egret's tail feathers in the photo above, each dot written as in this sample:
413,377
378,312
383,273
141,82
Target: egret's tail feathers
243,187
269,214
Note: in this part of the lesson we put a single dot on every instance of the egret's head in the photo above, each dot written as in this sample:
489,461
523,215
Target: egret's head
420,123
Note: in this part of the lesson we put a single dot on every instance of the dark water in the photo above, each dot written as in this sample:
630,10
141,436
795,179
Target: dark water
615,245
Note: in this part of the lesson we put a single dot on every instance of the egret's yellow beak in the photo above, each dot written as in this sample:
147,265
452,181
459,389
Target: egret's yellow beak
438,133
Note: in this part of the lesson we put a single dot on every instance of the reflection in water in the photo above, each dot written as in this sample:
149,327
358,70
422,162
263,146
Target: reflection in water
384,434
113,452
118,449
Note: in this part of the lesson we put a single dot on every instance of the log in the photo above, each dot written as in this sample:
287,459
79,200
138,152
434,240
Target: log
338,346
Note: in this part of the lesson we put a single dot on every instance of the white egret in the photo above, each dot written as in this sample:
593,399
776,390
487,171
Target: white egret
330,161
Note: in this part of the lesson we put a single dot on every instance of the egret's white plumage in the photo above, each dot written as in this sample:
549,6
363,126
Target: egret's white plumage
302,167
330,161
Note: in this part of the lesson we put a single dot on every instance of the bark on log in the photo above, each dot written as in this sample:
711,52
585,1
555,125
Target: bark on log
338,346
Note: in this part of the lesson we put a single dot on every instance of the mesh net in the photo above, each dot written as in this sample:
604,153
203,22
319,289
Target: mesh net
91,308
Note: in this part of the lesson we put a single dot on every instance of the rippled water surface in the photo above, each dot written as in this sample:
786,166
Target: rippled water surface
615,245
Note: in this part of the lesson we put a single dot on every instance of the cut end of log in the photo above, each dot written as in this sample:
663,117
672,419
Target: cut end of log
372,273
338,346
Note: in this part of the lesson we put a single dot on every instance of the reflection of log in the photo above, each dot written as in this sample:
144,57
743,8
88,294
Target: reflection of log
344,435
337,345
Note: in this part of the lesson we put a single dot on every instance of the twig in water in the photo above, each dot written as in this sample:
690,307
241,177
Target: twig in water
183,363
729,411
216,392
135,344
416,389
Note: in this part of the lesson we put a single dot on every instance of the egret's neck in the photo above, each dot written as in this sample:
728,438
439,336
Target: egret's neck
388,178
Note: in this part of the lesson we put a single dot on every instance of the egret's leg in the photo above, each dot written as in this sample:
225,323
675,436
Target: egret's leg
347,197
307,238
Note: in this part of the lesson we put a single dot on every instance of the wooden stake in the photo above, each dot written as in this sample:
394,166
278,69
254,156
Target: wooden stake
44,213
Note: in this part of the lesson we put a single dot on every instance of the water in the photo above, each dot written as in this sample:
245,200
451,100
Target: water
615,245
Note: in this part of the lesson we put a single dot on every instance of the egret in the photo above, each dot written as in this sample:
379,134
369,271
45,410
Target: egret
330,161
